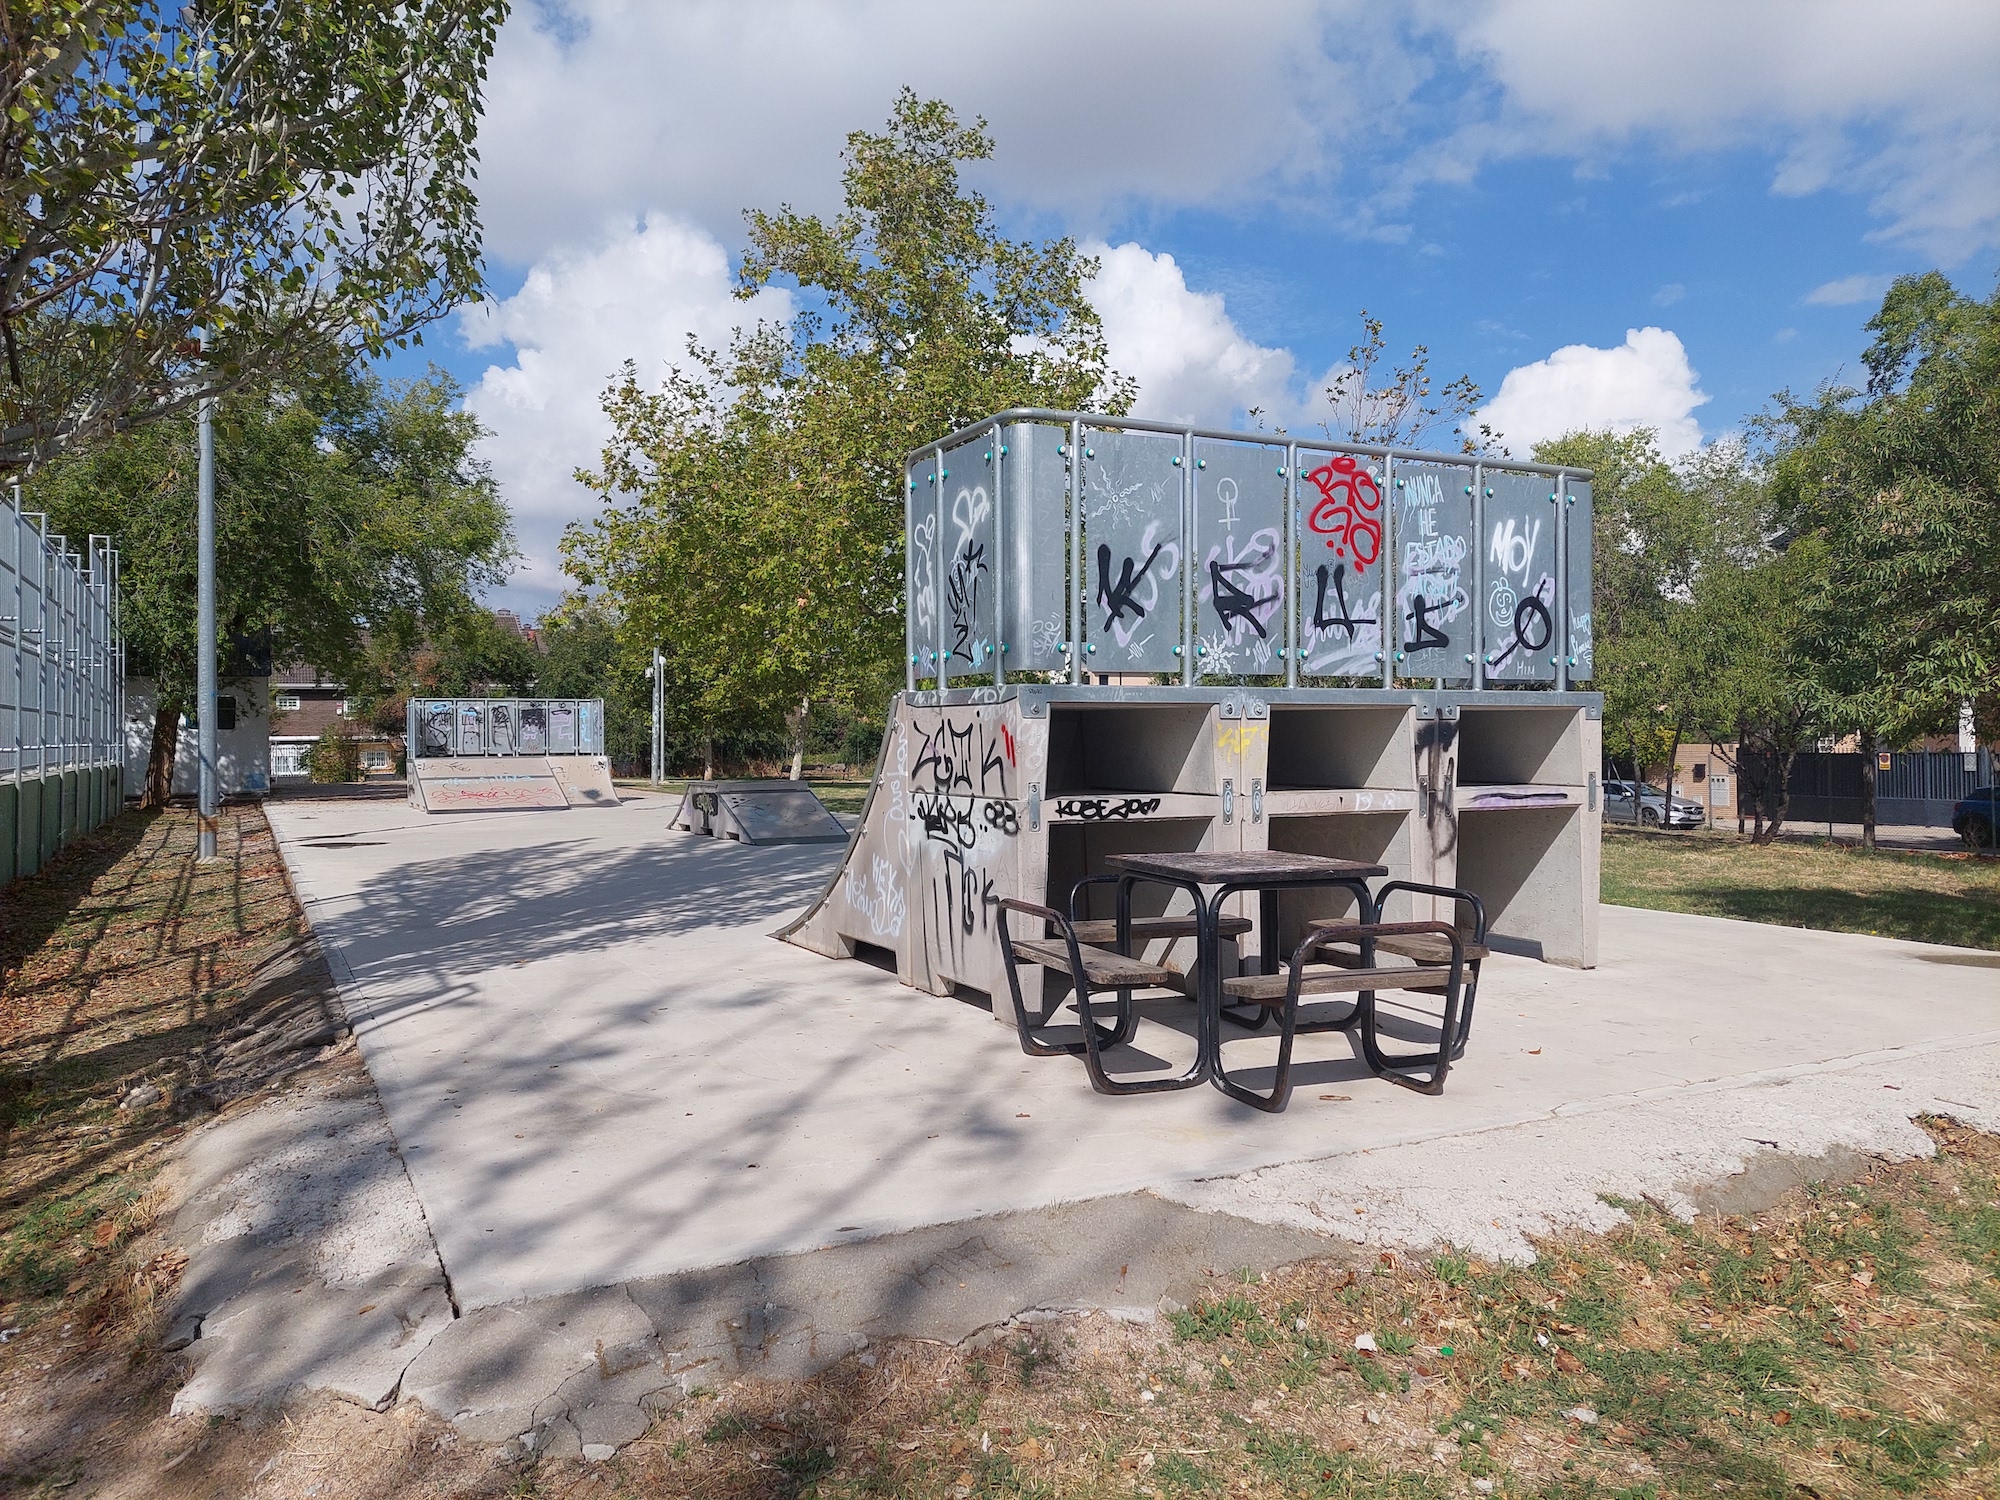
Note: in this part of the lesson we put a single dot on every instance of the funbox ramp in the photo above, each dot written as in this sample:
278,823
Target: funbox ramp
488,783
1021,791
757,812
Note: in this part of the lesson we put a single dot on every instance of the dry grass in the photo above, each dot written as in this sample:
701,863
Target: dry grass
1929,898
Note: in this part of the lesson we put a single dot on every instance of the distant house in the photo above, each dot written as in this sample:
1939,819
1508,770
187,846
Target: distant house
304,705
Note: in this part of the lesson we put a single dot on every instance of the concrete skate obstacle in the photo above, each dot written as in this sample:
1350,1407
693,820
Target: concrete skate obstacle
758,812
496,754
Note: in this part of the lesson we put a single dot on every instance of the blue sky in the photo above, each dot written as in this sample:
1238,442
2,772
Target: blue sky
1695,205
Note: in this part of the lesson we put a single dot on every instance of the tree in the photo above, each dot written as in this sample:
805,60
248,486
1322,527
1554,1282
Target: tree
1401,413
280,175
584,657
344,508
1897,493
754,510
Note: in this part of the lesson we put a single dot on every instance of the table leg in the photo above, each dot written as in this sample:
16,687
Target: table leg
1267,931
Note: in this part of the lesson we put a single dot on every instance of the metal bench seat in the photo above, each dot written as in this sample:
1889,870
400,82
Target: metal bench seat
1103,970
1271,989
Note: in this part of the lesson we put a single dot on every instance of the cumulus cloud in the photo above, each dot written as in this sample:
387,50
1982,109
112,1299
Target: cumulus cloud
1646,381
1192,362
1847,290
711,106
636,292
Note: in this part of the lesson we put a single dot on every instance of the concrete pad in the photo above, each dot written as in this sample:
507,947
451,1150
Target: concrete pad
600,1069
309,1264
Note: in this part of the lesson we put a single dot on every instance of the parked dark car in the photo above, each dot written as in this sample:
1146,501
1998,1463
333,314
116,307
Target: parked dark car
1975,817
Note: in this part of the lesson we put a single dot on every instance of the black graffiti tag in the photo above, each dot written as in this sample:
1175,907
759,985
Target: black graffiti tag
1423,634
1346,617
1233,602
1105,809
1116,599
1530,611
946,819
962,598
1002,816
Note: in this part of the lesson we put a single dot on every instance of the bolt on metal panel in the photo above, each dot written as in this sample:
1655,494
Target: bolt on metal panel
1433,531
1341,567
967,555
1133,551
1519,568
1034,535
1577,523
1240,566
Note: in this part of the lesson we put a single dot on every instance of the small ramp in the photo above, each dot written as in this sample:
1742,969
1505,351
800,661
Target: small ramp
522,783
758,812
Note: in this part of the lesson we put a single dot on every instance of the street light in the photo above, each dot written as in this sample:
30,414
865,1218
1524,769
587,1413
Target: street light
209,800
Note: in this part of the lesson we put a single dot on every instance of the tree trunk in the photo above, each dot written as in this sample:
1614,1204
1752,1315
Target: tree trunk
708,757
1868,789
160,757
796,721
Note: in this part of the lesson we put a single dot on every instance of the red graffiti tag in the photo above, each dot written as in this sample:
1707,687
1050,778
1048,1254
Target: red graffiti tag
1348,512
1007,743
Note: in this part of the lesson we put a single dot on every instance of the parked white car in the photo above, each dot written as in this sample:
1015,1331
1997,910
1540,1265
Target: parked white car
1648,806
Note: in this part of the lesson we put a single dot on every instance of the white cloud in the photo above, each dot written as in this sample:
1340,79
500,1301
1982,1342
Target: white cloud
1644,382
636,293
1191,361
1847,290
1901,108
1669,294
711,106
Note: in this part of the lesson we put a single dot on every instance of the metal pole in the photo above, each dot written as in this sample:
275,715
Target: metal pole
1295,630
205,694
659,675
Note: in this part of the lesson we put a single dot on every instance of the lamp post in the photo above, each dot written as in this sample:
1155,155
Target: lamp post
205,692
658,673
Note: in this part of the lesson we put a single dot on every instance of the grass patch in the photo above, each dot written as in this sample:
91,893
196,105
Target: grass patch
1928,898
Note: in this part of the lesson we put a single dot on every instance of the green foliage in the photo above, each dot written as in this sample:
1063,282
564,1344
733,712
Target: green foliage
340,504
754,519
334,757
583,657
1897,494
279,174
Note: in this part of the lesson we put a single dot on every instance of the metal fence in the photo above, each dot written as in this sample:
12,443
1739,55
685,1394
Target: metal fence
62,689
1917,787
440,727
1081,546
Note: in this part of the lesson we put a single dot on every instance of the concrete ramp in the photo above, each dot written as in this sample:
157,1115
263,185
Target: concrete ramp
758,812
527,783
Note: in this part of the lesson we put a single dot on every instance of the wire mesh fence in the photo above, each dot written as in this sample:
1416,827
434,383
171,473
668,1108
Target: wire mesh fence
62,688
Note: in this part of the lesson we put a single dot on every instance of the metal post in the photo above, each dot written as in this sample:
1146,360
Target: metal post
938,637
659,752
1190,546
1295,634
1559,631
999,648
205,694
1077,580
1390,627
1477,660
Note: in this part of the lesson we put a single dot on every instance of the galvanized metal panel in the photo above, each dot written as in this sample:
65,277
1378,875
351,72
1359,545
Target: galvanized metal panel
967,556
1034,536
502,721
434,727
471,729
1576,594
533,735
1433,537
590,727
1519,571
1341,567
562,729
923,564
1239,551
1133,552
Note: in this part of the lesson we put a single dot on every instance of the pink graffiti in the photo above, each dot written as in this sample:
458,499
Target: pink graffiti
1348,512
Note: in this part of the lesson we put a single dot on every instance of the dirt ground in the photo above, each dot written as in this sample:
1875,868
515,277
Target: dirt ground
1845,1342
